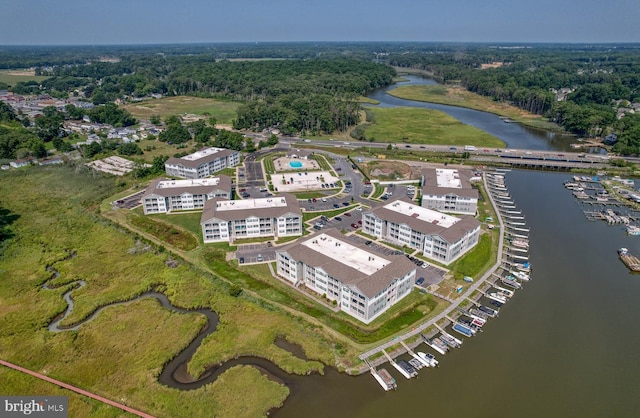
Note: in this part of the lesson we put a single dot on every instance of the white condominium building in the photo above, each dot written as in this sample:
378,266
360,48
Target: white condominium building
438,236
228,220
164,195
364,284
202,164
449,190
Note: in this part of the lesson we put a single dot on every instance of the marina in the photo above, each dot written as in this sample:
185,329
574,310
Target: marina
512,268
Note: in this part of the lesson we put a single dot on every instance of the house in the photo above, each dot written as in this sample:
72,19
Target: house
449,190
440,237
362,283
299,153
164,195
23,163
229,220
202,164
51,161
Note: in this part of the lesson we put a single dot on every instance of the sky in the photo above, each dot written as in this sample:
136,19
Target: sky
93,22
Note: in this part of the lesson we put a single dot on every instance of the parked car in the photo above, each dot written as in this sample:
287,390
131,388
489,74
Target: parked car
338,218
241,260
335,205
420,280
354,225
345,203
260,257
347,214
368,242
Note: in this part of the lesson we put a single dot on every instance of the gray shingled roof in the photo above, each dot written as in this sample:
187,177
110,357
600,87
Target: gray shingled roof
369,285
430,184
451,234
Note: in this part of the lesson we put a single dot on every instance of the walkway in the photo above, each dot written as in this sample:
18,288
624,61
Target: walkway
75,389
458,301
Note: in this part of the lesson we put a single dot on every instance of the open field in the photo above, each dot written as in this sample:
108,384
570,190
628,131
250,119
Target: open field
425,126
459,96
12,77
223,111
120,353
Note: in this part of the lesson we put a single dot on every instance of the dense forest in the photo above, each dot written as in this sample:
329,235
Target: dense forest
314,95
590,90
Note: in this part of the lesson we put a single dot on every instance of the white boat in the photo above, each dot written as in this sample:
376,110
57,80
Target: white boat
633,230
497,297
520,243
520,275
429,358
476,320
526,267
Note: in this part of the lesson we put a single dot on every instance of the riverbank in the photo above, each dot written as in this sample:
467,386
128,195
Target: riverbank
454,95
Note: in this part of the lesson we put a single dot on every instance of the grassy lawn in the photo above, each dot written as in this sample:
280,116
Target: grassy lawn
458,96
12,77
425,126
223,111
53,213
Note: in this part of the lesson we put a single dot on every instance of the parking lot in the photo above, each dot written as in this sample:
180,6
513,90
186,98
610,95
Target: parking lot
343,221
131,201
260,252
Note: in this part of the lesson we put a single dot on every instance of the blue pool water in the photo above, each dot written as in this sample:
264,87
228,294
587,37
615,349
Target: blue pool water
295,164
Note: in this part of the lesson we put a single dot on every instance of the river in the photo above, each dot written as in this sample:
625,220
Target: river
566,345
513,134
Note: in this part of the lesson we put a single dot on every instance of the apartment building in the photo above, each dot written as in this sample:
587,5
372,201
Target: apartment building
362,283
449,190
229,220
440,237
202,164
164,195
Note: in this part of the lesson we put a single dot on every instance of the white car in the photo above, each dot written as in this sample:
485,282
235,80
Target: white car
324,199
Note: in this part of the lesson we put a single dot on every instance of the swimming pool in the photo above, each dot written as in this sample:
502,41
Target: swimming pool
295,164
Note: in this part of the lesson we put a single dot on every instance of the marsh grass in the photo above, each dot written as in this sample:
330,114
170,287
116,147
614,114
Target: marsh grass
120,352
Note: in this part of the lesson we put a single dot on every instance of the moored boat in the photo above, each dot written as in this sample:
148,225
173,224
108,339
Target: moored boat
520,275
633,230
489,311
464,330
429,358
497,297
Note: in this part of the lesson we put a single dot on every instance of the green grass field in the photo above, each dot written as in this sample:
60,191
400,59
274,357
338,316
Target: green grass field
425,126
12,77
223,111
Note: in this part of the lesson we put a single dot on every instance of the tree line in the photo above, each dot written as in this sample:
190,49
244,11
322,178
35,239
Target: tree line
598,78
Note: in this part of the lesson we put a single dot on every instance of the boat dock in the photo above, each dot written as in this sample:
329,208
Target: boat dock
414,355
631,261
397,366
512,256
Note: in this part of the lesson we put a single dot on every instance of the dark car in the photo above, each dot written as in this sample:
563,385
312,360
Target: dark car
420,280
368,242
345,203
241,260
335,205
338,218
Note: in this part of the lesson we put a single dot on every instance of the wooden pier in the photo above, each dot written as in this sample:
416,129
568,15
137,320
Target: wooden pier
631,261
